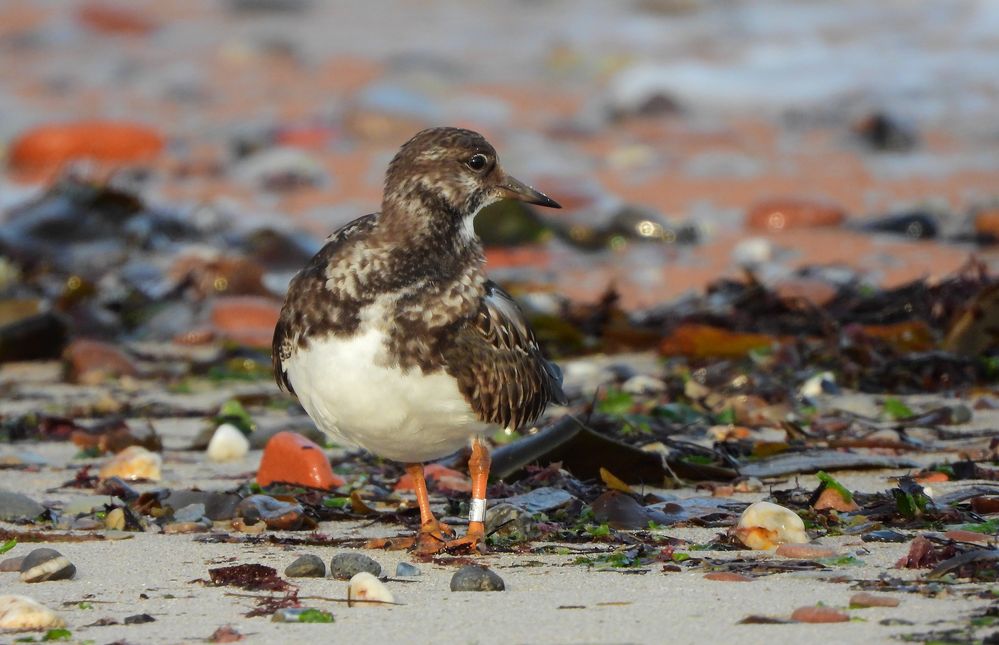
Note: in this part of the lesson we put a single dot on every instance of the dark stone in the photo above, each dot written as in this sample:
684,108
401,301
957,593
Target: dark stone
138,619
306,566
345,566
473,577
46,564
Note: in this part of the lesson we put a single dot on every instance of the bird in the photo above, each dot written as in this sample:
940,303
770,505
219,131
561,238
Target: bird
395,341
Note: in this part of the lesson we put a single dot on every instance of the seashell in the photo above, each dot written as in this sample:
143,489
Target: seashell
46,564
365,586
764,525
132,463
227,444
22,612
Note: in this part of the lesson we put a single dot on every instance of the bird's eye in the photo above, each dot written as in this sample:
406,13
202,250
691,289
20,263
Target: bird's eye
477,162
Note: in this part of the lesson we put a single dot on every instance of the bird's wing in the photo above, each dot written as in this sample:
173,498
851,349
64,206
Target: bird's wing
500,369
306,288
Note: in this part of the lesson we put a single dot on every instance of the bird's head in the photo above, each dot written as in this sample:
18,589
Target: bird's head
455,170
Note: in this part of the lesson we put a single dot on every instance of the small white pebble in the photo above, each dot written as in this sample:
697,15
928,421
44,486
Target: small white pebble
764,525
227,444
364,586
815,386
22,612
753,251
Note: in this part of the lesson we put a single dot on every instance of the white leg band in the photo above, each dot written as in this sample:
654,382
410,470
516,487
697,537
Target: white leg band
477,510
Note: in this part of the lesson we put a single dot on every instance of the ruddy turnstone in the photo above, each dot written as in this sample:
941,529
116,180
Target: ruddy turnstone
393,338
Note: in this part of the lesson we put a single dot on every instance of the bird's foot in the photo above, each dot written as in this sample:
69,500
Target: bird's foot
433,538
474,540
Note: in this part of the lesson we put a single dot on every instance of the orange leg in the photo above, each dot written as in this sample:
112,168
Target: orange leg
478,469
431,537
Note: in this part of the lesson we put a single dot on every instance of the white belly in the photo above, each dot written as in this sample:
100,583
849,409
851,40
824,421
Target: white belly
403,416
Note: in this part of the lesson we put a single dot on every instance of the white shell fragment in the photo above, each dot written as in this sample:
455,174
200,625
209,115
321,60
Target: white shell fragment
364,586
21,612
764,526
227,444
132,463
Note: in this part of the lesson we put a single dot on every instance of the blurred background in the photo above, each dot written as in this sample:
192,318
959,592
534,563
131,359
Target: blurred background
168,165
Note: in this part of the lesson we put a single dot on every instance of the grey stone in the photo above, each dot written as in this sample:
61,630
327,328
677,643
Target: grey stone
189,513
473,577
345,566
306,566
405,569
506,520
541,500
46,564
17,506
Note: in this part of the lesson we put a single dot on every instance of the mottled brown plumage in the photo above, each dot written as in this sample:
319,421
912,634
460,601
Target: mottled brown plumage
420,260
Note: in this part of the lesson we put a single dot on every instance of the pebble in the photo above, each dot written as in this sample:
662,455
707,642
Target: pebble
727,576
17,506
345,566
292,459
830,498
885,535
134,463
507,520
11,564
764,525
365,586
46,564
405,569
22,612
94,361
473,577
541,500
806,551
276,514
248,320
138,619
227,444
819,615
115,519
782,214
50,146
865,599
306,566
189,513
200,526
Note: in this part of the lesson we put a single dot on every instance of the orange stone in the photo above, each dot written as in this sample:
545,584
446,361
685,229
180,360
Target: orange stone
48,147
441,477
807,551
932,477
830,498
92,361
727,576
865,599
782,214
987,223
819,615
293,459
966,536
249,320
114,19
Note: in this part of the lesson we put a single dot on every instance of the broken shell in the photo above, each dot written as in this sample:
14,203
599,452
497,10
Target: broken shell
227,444
115,519
132,463
46,564
764,525
22,612
365,586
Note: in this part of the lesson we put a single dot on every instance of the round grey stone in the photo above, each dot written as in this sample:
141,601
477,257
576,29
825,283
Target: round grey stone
404,569
473,577
189,513
345,566
306,566
17,506
46,564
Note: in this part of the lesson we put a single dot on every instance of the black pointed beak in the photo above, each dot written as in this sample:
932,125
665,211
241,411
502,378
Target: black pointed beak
515,189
